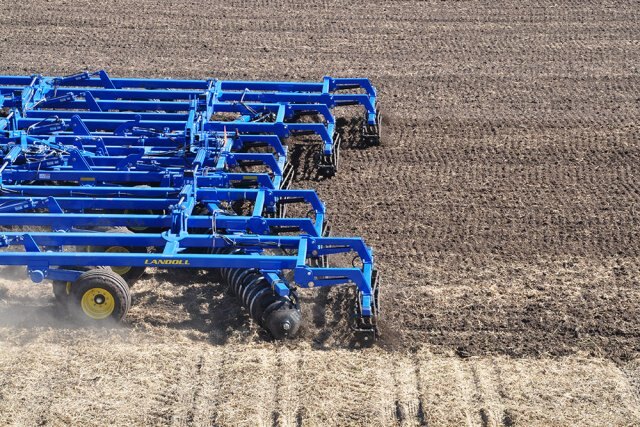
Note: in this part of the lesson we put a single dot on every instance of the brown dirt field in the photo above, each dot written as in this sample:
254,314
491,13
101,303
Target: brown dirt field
503,207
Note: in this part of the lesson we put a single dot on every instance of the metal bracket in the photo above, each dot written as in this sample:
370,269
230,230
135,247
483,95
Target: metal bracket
78,126
127,126
77,161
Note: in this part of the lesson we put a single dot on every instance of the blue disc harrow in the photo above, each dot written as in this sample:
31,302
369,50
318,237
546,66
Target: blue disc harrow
137,173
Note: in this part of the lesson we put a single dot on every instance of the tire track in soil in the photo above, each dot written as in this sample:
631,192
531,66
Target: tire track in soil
527,383
287,405
196,389
301,411
508,416
468,394
421,413
386,393
277,418
211,401
174,396
492,411
345,388
248,389
443,398
408,406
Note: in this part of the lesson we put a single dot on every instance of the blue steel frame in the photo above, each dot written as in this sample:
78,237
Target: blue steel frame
88,151
190,105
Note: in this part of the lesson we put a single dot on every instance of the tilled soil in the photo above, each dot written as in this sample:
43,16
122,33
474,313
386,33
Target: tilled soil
503,204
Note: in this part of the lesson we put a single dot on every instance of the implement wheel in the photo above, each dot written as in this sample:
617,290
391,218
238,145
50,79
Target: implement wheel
98,296
129,273
61,291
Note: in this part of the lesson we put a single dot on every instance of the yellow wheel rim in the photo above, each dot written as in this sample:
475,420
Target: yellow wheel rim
98,303
123,269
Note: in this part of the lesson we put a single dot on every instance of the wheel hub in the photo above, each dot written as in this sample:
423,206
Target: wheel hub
97,303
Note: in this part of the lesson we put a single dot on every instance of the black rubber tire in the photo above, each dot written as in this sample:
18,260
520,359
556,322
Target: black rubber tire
60,291
105,284
133,273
